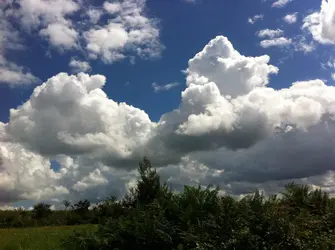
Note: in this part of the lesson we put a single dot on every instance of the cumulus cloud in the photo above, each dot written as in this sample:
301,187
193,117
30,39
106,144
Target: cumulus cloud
110,32
291,18
112,8
255,18
270,33
50,18
79,66
95,178
60,35
321,24
259,120
220,63
94,15
16,75
275,38
129,31
166,87
231,129
37,13
276,42
281,3
78,118
24,174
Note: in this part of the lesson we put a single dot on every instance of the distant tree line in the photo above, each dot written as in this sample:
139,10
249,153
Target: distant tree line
152,216
43,215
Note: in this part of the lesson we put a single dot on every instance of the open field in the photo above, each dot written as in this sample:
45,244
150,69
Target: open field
46,238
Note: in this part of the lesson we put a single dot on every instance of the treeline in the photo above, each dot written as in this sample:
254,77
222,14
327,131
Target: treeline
43,215
152,216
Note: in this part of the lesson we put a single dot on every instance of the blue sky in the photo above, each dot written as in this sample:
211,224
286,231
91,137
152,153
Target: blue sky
75,147
185,29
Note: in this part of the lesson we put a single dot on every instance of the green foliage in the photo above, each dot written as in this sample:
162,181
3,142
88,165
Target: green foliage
151,216
41,210
66,204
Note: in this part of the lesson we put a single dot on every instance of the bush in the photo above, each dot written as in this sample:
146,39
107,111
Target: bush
153,217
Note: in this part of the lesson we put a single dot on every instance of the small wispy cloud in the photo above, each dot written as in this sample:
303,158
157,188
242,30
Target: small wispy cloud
255,18
159,88
281,3
291,18
276,42
270,33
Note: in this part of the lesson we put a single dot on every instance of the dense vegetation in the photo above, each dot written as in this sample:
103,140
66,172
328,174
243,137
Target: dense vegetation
42,215
152,216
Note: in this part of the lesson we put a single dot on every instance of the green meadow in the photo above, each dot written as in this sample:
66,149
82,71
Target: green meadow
38,238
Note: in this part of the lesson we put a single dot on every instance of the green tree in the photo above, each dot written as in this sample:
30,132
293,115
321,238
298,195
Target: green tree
66,204
41,210
148,186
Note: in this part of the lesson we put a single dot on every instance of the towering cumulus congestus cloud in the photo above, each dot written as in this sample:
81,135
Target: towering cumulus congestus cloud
218,79
233,73
227,102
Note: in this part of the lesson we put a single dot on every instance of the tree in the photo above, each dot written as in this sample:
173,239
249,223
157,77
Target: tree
82,206
66,204
41,210
148,186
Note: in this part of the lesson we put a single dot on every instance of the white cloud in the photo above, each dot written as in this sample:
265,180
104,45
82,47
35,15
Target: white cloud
14,75
94,179
291,18
321,24
255,18
166,87
24,174
79,66
130,31
94,15
331,63
125,31
60,35
50,18
112,8
281,3
231,129
260,118
270,33
333,76
276,42
77,116
300,44
37,13
107,42
220,63
10,208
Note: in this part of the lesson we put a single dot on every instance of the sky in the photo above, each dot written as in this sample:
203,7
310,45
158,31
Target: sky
237,94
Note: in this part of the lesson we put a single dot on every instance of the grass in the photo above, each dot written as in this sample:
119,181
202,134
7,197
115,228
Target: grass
46,238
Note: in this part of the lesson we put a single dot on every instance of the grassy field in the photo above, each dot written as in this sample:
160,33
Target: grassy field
46,238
